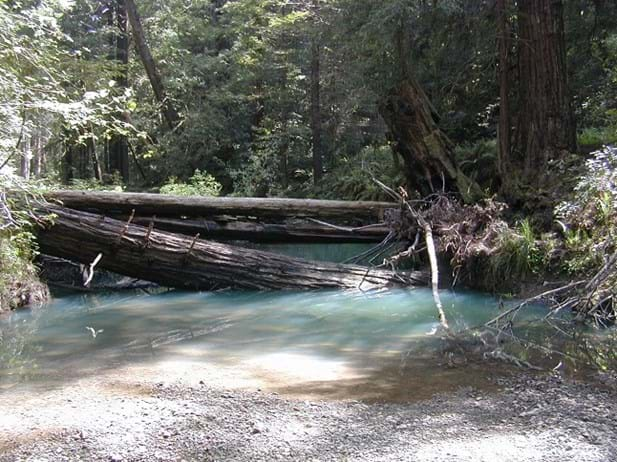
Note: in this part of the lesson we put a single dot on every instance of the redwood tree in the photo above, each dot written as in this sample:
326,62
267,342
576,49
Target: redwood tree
544,124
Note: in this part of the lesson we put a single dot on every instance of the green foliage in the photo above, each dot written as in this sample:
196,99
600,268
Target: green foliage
200,184
589,218
596,137
18,277
17,271
113,183
592,57
352,178
240,74
520,254
478,160
46,82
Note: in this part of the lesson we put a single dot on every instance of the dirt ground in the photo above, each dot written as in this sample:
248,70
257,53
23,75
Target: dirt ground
129,415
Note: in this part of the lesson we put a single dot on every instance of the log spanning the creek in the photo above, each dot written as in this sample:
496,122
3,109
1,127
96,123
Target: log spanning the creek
197,206
191,263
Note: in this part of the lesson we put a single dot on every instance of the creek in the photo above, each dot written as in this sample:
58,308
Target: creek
334,344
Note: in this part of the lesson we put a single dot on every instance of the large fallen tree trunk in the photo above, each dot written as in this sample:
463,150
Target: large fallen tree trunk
190,263
295,231
197,206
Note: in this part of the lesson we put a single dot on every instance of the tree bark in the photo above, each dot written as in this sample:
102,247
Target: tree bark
426,151
546,127
199,206
190,263
169,112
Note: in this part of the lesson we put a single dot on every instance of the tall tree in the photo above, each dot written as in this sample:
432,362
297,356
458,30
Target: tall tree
316,109
315,93
504,43
169,111
545,127
118,145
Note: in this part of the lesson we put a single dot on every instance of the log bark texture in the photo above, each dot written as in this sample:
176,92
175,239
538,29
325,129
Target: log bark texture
197,206
190,263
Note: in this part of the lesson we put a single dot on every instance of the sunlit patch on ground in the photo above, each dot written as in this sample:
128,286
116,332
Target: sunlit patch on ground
291,367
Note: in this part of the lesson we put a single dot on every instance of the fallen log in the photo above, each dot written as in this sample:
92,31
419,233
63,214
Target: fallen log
190,263
296,231
198,206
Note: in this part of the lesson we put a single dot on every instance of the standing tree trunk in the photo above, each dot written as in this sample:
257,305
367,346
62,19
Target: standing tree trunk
169,112
66,163
504,131
545,124
74,162
37,168
316,109
26,157
426,151
118,145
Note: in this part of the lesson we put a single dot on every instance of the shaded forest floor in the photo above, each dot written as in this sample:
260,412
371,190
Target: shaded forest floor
117,417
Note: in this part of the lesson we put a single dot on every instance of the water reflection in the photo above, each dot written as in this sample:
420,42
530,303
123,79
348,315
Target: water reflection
336,253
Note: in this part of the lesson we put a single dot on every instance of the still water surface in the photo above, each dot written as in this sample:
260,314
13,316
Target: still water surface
375,345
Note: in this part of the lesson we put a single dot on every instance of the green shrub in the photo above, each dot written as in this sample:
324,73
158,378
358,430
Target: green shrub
589,218
19,284
596,137
519,253
352,178
112,183
479,161
200,184
16,269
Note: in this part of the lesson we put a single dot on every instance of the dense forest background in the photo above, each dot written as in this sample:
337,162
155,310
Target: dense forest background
295,98
511,105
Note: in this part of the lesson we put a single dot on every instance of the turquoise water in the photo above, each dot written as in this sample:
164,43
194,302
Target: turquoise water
53,343
337,253
337,343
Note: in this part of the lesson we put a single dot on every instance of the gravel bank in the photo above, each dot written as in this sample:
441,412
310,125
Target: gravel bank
112,419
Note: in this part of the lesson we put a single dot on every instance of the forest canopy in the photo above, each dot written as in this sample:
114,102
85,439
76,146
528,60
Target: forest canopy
274,97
